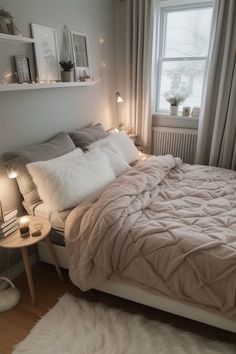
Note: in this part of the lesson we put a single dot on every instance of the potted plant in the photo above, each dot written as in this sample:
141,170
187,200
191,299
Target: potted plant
174,101
67,75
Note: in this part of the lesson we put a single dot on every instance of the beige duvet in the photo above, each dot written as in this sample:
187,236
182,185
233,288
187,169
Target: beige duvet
167,226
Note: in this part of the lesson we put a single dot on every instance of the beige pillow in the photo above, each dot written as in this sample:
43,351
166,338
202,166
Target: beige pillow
57,146
84,137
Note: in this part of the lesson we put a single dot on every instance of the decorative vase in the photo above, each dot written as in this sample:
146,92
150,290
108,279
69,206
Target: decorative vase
174,110
67,76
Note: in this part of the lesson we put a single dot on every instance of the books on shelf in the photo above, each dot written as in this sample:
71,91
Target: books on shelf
9,224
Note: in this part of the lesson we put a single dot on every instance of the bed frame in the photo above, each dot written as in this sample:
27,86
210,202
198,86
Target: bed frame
142,296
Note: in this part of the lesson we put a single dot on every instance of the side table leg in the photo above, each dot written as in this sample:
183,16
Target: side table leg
54,257
25,257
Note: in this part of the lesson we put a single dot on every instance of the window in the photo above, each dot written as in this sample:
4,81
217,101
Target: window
184,42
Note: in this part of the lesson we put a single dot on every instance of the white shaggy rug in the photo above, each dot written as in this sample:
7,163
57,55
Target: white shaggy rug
74,326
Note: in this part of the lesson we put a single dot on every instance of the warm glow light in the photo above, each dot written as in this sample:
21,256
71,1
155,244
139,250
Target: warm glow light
24,221
119,99
101,40
11,171
11,174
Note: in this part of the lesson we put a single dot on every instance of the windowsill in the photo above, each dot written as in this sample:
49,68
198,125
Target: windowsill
166,114
163,119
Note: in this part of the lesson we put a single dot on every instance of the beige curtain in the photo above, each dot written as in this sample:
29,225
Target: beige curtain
135,52
217,127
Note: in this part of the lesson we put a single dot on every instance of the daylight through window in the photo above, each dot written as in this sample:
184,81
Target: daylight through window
184,42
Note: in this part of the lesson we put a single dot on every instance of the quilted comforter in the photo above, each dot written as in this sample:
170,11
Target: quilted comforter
168,226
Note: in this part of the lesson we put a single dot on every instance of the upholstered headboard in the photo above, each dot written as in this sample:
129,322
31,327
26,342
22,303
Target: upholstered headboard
59,145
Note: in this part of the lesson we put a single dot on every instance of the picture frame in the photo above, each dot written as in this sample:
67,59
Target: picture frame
46,53
23,71
80,54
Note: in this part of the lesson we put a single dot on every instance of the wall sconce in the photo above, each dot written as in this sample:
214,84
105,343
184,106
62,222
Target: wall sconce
11,171
101,40
119,99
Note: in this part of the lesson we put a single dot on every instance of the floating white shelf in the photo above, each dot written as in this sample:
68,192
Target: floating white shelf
15,39
46,85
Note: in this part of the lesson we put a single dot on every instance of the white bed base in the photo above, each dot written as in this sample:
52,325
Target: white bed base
142,296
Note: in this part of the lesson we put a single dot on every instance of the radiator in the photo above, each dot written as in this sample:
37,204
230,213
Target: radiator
175,141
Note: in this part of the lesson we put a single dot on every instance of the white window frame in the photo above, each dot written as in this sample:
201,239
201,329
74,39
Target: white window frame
165,8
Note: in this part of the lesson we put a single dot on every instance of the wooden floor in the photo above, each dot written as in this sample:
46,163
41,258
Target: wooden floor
16,323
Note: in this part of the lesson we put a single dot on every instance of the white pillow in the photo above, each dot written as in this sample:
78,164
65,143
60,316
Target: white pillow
114,154
65,181
126,145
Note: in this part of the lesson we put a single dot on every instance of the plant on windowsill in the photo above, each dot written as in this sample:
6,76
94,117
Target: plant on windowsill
174,101
67,75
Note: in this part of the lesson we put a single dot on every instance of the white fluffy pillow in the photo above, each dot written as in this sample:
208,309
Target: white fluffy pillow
65,181
126,145
114,154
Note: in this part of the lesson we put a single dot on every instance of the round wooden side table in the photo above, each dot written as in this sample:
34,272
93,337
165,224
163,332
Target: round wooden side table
16,241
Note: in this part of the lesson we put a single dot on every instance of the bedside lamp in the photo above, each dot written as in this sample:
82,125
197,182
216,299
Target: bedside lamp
11,171
119,99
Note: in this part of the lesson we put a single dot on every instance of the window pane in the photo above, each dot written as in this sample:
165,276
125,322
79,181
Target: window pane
188,32
182,77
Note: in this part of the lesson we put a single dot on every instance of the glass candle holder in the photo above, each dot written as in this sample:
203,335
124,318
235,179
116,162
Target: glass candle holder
24,227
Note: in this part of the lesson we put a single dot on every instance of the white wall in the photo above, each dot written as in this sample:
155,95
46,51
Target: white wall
29,117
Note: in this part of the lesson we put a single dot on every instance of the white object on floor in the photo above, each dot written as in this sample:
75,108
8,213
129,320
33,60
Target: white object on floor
76,326
9,296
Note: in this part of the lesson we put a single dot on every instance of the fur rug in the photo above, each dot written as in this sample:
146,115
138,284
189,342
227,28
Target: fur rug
75,326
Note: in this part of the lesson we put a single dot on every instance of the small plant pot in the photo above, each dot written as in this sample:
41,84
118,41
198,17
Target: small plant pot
67,76
174,110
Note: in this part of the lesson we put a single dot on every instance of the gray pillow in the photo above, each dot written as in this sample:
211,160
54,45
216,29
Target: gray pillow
87,136
57,146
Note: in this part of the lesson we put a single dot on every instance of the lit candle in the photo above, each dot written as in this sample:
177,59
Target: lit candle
24,226
24,221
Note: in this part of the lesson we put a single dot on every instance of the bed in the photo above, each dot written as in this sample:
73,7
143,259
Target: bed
162,233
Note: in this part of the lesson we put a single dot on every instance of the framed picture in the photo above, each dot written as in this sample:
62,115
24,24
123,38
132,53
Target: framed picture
46,53
23,71
80,55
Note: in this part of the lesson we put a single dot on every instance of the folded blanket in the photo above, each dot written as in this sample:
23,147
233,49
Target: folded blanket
167,226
